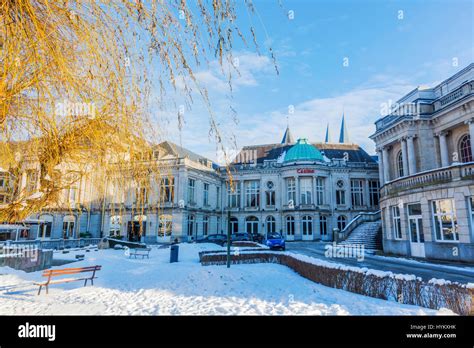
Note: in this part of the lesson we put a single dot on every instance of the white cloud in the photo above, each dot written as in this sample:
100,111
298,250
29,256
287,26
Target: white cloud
362,107
245,68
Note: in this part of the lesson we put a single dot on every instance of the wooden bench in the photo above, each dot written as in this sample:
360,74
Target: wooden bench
140,252
60,272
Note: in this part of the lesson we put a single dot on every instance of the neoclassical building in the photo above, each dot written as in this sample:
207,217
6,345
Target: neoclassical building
427,171
302,190
298,188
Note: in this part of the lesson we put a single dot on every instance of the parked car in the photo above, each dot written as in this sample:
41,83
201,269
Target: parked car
239,237
258,238
275,241
219,239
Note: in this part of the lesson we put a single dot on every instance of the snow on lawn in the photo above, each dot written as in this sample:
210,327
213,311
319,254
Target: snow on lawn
156,287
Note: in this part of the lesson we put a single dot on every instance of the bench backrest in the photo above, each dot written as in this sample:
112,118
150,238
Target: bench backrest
59,272
142,250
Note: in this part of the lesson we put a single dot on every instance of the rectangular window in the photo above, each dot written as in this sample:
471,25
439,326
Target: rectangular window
205,225
471,209
45,230
252,194
323,225
71,195
218,197
374,195
291,190
319,191
357,192
306,189
31,181
165,226
270,198
3,180
140,195
191,191
340,197
233,195
396,223
415,223
444,220
167,190
3,199
206,194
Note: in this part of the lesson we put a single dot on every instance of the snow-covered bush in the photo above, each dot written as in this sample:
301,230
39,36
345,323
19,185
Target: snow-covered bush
402,288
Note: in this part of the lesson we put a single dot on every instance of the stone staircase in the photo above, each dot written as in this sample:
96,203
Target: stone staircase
368,234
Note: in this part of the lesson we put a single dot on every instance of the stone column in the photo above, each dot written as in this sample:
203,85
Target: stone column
471,134
242,194
297,183
386,165
411,156
443,149
403,143
313,191
366,193
381,170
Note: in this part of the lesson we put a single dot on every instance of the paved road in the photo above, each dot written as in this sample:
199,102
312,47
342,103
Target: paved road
426,270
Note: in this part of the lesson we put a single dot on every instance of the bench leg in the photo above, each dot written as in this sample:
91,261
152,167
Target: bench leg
85,282
92,281
47,289
39,290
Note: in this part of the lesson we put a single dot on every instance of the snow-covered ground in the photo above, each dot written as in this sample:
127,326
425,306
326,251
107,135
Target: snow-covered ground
156,287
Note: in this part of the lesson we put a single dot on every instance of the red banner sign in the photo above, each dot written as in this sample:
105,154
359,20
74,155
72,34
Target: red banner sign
305,171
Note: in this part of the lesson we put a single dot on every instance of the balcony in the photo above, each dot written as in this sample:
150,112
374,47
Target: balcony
439,176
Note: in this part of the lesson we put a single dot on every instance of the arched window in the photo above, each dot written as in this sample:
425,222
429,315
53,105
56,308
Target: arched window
252,225
270,194
290,225
307,225
400,164
465,149
323,225
341,222
234,225
68,226
271,225
45,228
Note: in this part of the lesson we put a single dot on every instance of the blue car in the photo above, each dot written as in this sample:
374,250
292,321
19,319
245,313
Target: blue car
275,241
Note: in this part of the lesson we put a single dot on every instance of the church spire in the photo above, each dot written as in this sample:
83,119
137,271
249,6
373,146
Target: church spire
287,137
327,139
343,135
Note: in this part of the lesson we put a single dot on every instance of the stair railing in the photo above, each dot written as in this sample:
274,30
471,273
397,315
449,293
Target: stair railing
358,220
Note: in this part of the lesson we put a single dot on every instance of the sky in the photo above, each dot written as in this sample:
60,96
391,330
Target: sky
333,57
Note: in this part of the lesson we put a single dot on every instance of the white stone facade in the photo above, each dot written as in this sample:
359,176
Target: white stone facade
426,171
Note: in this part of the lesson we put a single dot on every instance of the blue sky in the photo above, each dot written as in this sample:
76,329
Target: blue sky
390,46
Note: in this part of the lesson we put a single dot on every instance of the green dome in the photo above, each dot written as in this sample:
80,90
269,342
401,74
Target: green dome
303,151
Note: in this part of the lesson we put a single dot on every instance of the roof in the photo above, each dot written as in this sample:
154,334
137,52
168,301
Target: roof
271,152
266,152
303,151
287,137
179,151
343,135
